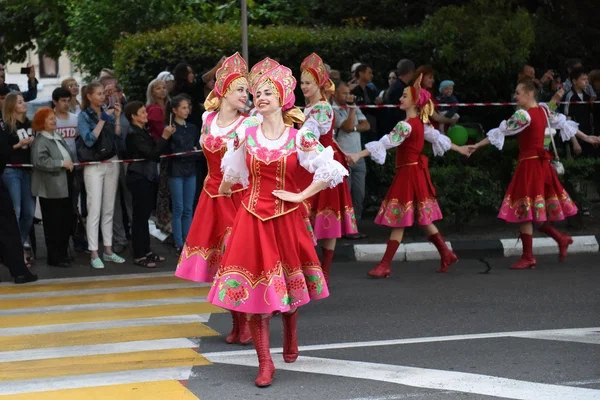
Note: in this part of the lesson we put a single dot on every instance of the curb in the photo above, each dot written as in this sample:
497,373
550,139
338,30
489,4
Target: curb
465,249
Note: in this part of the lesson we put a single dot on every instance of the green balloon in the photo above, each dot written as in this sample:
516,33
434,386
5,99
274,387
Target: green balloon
473,133
458,135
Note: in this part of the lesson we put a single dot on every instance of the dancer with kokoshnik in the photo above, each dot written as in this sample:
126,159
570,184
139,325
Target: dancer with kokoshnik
535,195
207,239
331,210
412,195
270,264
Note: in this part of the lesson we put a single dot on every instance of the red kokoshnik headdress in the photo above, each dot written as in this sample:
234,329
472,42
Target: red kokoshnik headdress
234,69
283,83
314,65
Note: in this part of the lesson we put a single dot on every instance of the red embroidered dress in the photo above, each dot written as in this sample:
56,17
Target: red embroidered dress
412,195
332,213
535,193
213,219
270,263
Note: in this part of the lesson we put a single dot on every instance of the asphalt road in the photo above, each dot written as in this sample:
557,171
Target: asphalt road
531,334
437,310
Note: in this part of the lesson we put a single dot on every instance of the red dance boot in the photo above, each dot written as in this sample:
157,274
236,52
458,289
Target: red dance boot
447,256
290,339
326,264
382,270
563,241
527,260
260,335
245,334
234,336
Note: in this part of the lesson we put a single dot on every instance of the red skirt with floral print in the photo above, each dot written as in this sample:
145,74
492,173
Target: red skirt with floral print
411,197
535,193
205,244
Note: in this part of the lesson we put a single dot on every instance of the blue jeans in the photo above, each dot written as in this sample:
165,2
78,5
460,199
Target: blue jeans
183,190
18,183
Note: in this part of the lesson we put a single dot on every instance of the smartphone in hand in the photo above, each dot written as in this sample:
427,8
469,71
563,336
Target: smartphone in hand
25,70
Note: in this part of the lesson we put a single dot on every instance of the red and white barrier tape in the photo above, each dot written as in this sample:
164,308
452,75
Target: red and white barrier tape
114,161
487,104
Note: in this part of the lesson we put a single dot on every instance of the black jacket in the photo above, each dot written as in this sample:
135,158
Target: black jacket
140,144
185,138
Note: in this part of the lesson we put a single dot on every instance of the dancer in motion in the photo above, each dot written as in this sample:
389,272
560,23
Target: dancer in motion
270,264
412,195
204,246
331,210
535,194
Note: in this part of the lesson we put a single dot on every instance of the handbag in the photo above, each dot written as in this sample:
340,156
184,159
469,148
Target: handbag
103,149
556,164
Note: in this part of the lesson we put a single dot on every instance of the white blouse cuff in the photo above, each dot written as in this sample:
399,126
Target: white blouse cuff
331,172
377,150
496,137
568,129
440,145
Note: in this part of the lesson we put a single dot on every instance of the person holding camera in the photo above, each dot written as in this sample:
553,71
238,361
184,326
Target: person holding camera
142,178
52,182
98,127
349,123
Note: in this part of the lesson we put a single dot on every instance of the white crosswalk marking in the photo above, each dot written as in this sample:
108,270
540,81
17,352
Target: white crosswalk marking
115,337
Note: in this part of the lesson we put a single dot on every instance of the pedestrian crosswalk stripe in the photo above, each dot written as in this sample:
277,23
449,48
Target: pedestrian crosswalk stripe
102,298
122,337
182,285
112,314
88,326
160,390
99,336
101,306
87,285
33,386
90,350
68,366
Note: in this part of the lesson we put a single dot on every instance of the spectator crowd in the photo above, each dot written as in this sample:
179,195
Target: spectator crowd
105,208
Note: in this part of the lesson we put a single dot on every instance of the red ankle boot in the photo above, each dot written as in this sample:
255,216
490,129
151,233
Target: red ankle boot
290,339
260,335
563,241
383,270
527,260
447,256
234,336
245,336
326,264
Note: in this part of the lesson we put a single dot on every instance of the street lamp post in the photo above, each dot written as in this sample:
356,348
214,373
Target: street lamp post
245,30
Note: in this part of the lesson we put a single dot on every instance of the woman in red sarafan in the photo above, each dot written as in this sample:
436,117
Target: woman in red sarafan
412,195
270,264
206,241
535,194
332,213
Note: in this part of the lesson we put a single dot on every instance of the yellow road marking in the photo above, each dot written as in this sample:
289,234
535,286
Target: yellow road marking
116,283
159,390
96,364
117,314
103,336
102,298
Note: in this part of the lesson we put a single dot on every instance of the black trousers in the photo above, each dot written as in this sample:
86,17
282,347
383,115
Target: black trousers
11,248
57,217
143,194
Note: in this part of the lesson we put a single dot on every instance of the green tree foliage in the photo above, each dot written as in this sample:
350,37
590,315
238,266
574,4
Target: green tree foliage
25,22
96,25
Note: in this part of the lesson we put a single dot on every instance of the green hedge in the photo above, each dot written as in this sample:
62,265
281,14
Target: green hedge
139,58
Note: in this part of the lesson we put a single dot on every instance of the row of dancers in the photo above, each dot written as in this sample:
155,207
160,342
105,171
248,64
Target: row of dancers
273,191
